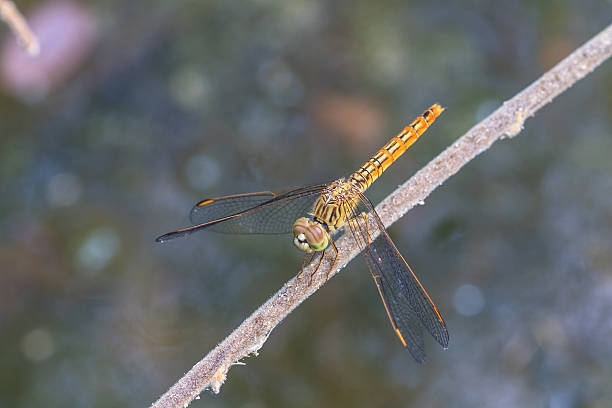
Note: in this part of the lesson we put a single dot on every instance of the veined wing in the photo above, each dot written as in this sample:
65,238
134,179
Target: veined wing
252,213
406,302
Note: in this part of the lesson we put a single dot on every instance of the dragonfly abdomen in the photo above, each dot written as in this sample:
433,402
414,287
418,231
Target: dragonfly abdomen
379,162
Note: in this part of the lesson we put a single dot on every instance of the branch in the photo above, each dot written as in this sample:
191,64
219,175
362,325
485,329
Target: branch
506,121
15,20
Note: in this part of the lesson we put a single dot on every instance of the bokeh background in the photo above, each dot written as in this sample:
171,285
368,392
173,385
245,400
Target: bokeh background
136,110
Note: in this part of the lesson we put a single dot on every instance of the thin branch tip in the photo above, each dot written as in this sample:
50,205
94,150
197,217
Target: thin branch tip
18,24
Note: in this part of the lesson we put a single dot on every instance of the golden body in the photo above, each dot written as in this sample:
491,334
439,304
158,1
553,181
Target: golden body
340,198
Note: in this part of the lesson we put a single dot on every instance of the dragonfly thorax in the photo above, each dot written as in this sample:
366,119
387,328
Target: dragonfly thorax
336,204
330,211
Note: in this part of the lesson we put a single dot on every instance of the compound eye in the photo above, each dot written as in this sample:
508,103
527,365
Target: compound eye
309,236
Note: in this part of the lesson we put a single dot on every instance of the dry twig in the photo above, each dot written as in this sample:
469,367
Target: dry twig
15,20
506,121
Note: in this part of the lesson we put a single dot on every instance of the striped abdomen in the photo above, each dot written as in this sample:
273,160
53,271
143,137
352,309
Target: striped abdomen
377,164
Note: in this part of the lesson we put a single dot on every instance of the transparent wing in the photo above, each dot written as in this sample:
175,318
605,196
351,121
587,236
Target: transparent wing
212,209
408,305
252,213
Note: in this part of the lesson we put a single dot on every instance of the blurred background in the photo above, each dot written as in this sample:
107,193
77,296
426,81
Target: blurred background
136,110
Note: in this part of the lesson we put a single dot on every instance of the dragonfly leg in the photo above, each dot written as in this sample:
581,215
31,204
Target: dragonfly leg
365,220
304,263
331,268
317,268
367,225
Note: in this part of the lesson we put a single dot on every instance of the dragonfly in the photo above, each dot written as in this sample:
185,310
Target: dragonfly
316,216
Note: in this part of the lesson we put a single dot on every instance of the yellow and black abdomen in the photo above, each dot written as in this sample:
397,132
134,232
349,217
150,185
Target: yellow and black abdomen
377,164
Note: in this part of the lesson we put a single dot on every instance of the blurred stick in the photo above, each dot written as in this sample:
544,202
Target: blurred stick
15,20
506,121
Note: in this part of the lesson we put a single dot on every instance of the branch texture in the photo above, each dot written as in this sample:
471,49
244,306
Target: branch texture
506,121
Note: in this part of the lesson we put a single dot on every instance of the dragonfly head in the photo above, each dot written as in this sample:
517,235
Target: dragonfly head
309,236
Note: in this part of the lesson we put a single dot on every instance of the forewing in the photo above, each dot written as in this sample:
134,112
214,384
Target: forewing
212,209
253,213
406,301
